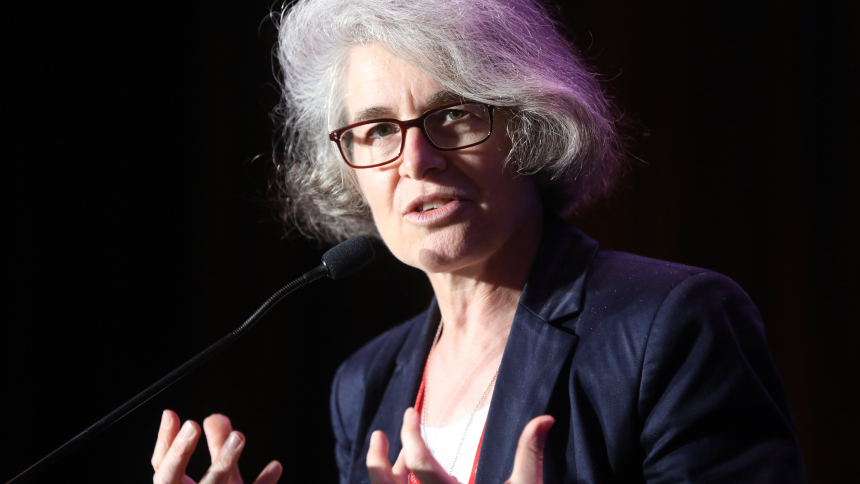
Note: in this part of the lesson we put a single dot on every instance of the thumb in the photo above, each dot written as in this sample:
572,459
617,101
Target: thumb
416,456
528,462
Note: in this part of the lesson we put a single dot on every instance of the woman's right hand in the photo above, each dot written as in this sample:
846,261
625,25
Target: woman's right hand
415,457
175,446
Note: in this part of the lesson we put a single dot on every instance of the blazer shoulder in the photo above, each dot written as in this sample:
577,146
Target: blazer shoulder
643,281
643,266
377,355
358,385
633,288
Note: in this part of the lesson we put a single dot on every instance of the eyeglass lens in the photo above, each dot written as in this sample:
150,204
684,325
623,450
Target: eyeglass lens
449,128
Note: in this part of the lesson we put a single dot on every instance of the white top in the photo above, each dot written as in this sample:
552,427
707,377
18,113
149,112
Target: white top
444,441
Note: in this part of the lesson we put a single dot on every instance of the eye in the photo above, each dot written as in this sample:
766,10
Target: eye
382,130
455,114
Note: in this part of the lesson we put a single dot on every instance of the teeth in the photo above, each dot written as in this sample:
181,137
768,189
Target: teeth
433,205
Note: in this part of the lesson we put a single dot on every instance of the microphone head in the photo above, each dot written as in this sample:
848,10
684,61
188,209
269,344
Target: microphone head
348,256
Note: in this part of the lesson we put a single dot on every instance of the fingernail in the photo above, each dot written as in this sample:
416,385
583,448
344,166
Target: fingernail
273,467
165,419
234,442
544,431
374,438
188,431
409,414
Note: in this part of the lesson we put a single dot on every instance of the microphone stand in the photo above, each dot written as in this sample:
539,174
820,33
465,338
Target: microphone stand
156,388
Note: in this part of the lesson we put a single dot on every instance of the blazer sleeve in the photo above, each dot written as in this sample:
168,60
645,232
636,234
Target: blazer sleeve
711,403
342,405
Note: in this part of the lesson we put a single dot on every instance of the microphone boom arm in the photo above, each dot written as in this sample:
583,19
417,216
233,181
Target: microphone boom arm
171,378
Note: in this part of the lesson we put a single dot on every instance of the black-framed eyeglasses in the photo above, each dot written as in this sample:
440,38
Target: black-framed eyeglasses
377,142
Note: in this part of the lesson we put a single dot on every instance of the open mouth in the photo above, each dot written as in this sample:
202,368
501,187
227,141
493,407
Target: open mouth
430,206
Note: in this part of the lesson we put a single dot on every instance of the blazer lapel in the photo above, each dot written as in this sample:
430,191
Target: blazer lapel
540,345
402,389
534,356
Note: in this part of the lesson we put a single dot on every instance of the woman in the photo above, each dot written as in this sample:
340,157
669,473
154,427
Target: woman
462,133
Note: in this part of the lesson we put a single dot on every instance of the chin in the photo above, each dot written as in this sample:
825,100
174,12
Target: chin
449,250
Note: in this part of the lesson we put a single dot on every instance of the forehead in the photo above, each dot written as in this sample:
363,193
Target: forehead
375,80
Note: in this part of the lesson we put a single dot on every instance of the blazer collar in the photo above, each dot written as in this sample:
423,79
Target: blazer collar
402,387
555,287
556,283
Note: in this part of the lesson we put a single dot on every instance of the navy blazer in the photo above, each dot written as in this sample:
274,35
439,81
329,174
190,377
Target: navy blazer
655,372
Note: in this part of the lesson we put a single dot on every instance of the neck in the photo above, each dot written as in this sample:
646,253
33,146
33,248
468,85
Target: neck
478,305
478,302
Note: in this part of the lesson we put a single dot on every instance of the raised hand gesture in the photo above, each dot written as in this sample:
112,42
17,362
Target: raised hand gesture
416,458
175,446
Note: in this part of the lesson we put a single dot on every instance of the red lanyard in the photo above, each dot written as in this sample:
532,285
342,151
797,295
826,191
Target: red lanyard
418,404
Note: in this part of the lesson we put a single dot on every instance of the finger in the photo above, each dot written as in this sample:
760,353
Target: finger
378,466
528,461
270,474
172,468
227,462
166,433
400,472
217,428
416,455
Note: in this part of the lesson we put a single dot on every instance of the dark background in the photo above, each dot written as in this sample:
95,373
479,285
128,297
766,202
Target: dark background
137,229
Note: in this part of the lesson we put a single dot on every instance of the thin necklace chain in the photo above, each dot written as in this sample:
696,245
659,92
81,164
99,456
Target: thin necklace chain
471,417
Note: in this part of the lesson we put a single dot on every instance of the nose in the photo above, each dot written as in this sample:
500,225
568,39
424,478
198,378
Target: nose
419,157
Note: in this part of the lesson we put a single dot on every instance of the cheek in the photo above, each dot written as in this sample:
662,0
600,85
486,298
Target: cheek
378,192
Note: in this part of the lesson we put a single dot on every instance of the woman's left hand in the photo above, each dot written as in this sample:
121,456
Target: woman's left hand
415,457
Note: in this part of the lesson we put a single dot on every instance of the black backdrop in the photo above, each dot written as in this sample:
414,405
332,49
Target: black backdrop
137,230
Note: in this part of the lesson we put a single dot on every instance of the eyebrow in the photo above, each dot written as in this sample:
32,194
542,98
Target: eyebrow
435,99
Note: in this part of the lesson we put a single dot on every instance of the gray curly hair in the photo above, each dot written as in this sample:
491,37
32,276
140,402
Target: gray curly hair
507,53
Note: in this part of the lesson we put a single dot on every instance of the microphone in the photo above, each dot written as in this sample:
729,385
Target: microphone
347,257
338,262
